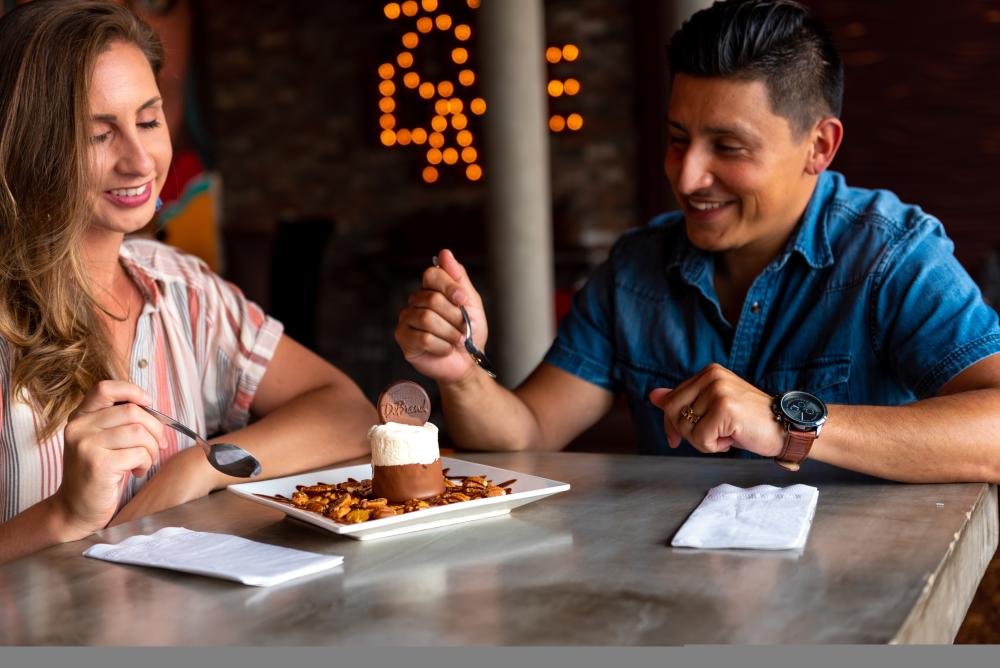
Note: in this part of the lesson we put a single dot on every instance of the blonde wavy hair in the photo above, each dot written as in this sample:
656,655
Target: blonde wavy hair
49,317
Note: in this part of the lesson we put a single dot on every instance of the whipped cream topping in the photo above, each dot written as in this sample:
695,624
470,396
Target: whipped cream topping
395,444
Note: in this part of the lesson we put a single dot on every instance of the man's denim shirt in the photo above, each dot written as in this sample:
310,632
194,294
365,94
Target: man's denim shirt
866,305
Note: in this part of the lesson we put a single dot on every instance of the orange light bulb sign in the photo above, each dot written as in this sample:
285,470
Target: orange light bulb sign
559,89
448,105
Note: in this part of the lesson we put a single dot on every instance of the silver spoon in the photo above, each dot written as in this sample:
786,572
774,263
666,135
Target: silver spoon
478,355
225,457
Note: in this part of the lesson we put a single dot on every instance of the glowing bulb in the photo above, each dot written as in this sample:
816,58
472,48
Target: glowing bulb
469,154
462,32
455,105
574,121
439,123
403,137
405,59
386,88
473,172
571,86
478,106
435,139
473,4
557,123
464,138
570,52
459,121
553,54
429,5
555,88
410,40
450,156
430,174
386,70
391,10
466,77
411,80
409,8
434,156
418,135
425,24
441,107
386,105
443,21
388,137
387,121
426,90
446,89
459,55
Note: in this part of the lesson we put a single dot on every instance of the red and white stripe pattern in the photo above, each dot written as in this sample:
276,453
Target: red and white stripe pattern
200,351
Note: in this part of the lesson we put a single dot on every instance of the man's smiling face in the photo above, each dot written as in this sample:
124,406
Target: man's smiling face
737,169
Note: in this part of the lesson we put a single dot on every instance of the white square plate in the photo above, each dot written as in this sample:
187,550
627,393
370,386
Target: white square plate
528,488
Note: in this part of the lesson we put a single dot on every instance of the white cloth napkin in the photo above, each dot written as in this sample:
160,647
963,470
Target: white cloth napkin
216,555
762,517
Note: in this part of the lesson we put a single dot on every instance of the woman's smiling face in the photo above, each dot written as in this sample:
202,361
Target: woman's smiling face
130,149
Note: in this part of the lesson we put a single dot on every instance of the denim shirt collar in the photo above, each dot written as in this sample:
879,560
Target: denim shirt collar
811,240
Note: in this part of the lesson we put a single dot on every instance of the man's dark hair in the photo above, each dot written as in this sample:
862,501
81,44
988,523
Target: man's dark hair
778,42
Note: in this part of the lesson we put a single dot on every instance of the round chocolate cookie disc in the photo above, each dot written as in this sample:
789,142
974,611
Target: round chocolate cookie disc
404,402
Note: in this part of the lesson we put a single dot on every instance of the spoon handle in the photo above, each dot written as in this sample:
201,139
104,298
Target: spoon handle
174,424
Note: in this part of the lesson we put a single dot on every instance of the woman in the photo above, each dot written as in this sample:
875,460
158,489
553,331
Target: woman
92,326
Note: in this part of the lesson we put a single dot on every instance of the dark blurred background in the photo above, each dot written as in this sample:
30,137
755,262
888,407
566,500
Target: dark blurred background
306,181
292,103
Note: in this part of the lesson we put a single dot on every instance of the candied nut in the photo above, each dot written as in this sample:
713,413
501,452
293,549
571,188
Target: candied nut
357,516
507,483
317,507
300,498
495,491
380,513
458,496
317,489
374,503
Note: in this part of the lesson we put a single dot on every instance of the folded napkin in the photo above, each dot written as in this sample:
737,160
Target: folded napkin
762,517
217,555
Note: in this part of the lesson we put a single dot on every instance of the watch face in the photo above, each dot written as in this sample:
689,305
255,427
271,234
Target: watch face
803,409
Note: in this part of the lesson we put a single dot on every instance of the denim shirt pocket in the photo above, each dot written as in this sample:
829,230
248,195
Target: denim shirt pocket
826,377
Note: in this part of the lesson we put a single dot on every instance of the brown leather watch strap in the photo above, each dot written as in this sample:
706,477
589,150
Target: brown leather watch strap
797,445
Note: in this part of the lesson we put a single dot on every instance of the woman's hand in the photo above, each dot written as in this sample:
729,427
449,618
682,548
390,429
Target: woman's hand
431,330
106,440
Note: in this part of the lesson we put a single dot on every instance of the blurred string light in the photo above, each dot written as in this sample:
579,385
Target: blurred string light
558,88
449,140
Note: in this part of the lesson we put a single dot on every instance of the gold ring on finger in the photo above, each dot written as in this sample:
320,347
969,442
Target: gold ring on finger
688,414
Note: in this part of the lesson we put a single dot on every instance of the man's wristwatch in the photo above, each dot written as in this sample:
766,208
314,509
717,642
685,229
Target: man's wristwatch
802,415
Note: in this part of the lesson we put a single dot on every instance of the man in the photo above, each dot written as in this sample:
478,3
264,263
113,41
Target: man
775,276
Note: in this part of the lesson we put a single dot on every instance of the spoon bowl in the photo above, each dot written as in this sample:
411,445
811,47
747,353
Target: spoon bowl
470,347
225,457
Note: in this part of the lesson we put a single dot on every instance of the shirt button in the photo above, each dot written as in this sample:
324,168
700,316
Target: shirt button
755,307
142,363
